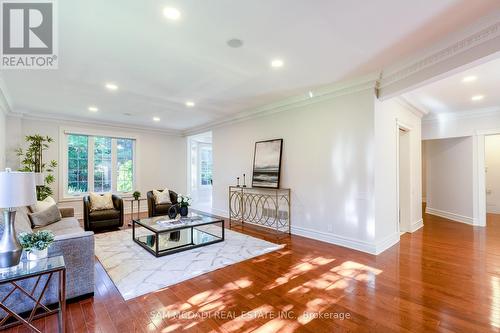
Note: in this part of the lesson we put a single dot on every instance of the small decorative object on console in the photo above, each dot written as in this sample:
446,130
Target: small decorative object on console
237,181
36,244
244,181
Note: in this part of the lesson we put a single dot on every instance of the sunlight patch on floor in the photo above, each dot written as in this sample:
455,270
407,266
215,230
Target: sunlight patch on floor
495,302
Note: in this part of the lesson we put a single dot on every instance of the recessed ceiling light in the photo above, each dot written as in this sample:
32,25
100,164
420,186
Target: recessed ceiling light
156,119
190,104
477,97
171,13
277,63
128,114
93,108
111,86
470,78
235,43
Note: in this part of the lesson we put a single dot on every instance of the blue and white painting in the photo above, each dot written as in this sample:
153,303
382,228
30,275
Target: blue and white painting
267,163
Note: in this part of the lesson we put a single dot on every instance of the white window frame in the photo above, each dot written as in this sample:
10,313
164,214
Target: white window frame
199,171
63,157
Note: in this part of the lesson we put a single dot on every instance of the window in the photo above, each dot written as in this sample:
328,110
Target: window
99,164
77,164
125,165
102,164
205,165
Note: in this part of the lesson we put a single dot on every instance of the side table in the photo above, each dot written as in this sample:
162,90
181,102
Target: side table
34,269
132,204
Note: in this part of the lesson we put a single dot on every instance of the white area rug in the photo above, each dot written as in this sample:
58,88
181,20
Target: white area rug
136,272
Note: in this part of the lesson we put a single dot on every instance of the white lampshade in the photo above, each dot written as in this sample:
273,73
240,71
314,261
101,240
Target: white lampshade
17,189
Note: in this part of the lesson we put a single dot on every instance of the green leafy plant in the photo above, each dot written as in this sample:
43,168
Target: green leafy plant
39,240
184,200
32,161
136,195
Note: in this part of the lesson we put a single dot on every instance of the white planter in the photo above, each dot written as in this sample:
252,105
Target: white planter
37,255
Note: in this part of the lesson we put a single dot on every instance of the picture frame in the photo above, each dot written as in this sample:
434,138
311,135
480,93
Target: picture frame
267,164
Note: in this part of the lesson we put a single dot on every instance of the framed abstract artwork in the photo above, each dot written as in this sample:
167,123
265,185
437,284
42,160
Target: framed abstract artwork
267,163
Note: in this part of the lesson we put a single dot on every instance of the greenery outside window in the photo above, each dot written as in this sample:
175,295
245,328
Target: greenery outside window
99,164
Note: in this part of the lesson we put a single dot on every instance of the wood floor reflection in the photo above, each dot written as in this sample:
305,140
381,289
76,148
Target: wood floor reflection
444,277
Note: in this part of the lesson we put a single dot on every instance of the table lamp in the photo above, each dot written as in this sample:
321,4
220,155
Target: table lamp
17,189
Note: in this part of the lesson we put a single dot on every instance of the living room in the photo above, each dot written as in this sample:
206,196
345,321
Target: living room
196,171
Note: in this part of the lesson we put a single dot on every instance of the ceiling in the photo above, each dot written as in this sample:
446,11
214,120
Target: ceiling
454,94
159,64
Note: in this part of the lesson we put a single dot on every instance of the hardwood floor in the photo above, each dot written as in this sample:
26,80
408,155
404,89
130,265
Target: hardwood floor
444,277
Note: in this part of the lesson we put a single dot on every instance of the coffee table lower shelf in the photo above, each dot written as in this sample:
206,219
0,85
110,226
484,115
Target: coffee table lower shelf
185,237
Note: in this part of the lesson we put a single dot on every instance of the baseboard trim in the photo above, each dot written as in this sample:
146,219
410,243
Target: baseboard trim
220,212
417,225
387,243
371,248
450,216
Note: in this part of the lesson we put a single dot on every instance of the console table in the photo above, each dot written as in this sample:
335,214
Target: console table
264,207
34,269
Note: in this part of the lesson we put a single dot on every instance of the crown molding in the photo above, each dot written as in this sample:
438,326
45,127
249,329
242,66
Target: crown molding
41,116
319,95
418,111
471,41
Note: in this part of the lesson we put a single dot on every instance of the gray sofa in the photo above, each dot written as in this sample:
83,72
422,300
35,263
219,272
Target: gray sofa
72,242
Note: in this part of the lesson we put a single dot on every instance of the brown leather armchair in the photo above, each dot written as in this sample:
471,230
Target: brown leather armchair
162,209
103,219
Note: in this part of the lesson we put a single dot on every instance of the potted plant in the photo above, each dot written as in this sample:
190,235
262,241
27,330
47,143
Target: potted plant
136,195
36,244
32,160
184,202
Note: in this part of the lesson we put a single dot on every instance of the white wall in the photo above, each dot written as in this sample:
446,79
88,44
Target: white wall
160,158
3,137
492,162
424,171
450,178
327,162
389,116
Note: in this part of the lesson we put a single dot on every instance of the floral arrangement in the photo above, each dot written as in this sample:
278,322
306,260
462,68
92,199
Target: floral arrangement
36,241
184,200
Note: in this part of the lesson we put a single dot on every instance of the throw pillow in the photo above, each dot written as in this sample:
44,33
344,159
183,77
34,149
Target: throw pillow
45,217
42,205
101,201
162,197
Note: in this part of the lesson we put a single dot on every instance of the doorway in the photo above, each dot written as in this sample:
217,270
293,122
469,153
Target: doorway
200,166
404,186
492,177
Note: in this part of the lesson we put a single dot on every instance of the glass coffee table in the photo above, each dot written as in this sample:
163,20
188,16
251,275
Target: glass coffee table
162,236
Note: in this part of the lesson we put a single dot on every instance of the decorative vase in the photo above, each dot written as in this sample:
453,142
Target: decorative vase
37,255
172,212
183,211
